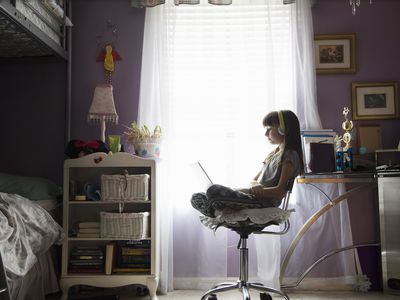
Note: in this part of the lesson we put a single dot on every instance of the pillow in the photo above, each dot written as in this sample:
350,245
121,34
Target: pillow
257,216
33,188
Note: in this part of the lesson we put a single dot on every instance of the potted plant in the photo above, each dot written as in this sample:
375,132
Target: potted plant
145,141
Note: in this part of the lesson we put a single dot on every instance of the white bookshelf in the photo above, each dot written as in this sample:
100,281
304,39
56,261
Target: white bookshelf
88,169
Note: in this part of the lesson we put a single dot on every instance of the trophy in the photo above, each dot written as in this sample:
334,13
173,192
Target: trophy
344,155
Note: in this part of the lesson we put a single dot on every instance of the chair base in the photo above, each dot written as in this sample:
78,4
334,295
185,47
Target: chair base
243,287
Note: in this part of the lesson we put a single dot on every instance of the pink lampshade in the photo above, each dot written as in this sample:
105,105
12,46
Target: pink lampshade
103,108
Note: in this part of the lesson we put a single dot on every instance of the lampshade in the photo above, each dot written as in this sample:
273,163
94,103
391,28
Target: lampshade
103,108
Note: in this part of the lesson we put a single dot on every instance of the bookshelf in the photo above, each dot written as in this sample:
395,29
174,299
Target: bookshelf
86,250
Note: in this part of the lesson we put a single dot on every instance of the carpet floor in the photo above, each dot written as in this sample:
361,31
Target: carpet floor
235,295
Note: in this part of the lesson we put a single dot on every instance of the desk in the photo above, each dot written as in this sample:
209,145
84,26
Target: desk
362,180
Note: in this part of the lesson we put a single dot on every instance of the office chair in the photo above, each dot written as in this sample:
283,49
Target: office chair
244,229
4,292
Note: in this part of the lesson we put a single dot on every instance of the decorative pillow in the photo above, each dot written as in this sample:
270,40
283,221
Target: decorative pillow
257,216
33,188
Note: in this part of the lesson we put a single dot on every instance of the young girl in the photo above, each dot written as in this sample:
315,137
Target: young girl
269,186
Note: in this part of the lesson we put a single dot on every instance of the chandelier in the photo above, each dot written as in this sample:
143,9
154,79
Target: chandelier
356,3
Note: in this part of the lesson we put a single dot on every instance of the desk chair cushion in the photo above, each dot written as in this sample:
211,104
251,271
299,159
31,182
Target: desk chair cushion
257,216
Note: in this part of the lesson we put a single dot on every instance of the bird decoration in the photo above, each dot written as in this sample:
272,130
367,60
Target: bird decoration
108,55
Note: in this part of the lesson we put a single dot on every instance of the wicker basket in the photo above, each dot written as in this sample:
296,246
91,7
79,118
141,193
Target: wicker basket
125,225
125,187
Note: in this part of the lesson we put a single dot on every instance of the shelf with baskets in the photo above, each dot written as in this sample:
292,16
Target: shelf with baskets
110,220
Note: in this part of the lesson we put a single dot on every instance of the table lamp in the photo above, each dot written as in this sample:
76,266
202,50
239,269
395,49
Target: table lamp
103,109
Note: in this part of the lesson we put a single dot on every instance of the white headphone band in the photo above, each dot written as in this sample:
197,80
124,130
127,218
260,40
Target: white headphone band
282,128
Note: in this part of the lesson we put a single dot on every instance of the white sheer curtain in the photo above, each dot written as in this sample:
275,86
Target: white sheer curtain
333,231
209,75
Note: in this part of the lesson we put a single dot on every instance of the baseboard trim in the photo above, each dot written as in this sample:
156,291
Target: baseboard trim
344,283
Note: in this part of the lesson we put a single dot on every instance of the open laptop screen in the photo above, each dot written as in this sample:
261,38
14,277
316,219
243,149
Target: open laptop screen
201,175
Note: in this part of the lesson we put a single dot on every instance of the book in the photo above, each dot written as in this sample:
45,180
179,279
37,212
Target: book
86,257
86,262
123,260
109,259
87,251
89,225
135,251
134,243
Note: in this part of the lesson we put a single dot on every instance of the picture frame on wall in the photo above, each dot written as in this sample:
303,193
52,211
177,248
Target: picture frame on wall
335,53
375,101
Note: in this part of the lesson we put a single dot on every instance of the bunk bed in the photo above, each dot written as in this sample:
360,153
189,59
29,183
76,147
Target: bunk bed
34,38
31,28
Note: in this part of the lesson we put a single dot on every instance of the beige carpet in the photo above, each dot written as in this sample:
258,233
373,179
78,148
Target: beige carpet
233,295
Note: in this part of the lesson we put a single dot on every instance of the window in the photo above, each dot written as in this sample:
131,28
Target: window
227,66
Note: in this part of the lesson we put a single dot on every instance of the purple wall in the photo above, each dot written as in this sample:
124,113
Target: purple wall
377,49
32,118
32,115
90,19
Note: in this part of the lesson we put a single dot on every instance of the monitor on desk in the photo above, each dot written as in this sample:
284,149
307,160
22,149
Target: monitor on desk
387,158
318,150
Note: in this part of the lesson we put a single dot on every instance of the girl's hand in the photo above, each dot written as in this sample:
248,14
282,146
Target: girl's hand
257,191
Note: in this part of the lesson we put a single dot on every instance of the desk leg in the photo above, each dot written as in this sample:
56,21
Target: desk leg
312,220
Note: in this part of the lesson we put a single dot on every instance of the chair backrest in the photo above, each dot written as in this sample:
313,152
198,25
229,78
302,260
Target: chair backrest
284,206
4,292
289,188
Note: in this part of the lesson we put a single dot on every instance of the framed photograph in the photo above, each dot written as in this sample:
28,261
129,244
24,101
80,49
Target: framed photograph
373,101
335,53
369,137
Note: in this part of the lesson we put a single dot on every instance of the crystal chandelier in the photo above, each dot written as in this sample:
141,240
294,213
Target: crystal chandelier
356,3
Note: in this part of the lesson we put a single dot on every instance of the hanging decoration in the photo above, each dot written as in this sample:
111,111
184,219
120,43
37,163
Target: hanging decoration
108,55
354,4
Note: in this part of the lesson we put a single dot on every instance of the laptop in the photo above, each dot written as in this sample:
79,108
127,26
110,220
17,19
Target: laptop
201,175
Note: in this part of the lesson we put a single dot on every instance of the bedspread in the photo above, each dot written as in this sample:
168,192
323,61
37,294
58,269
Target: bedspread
26,232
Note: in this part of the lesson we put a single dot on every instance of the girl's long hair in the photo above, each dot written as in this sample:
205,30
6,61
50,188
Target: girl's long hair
292,131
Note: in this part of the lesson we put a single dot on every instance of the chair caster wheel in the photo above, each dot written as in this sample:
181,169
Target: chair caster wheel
212,297
265,296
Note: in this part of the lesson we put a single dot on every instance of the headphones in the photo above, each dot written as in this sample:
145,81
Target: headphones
281,128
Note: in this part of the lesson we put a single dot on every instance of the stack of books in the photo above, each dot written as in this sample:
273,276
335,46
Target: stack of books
88,230
86,260
133,256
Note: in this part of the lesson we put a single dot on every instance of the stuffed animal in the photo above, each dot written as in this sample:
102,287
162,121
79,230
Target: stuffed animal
79,148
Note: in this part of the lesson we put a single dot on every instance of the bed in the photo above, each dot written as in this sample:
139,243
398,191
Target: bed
35,44
35,59
29,226
31,28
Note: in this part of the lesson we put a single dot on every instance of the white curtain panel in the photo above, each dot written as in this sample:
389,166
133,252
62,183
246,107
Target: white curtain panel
209,75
